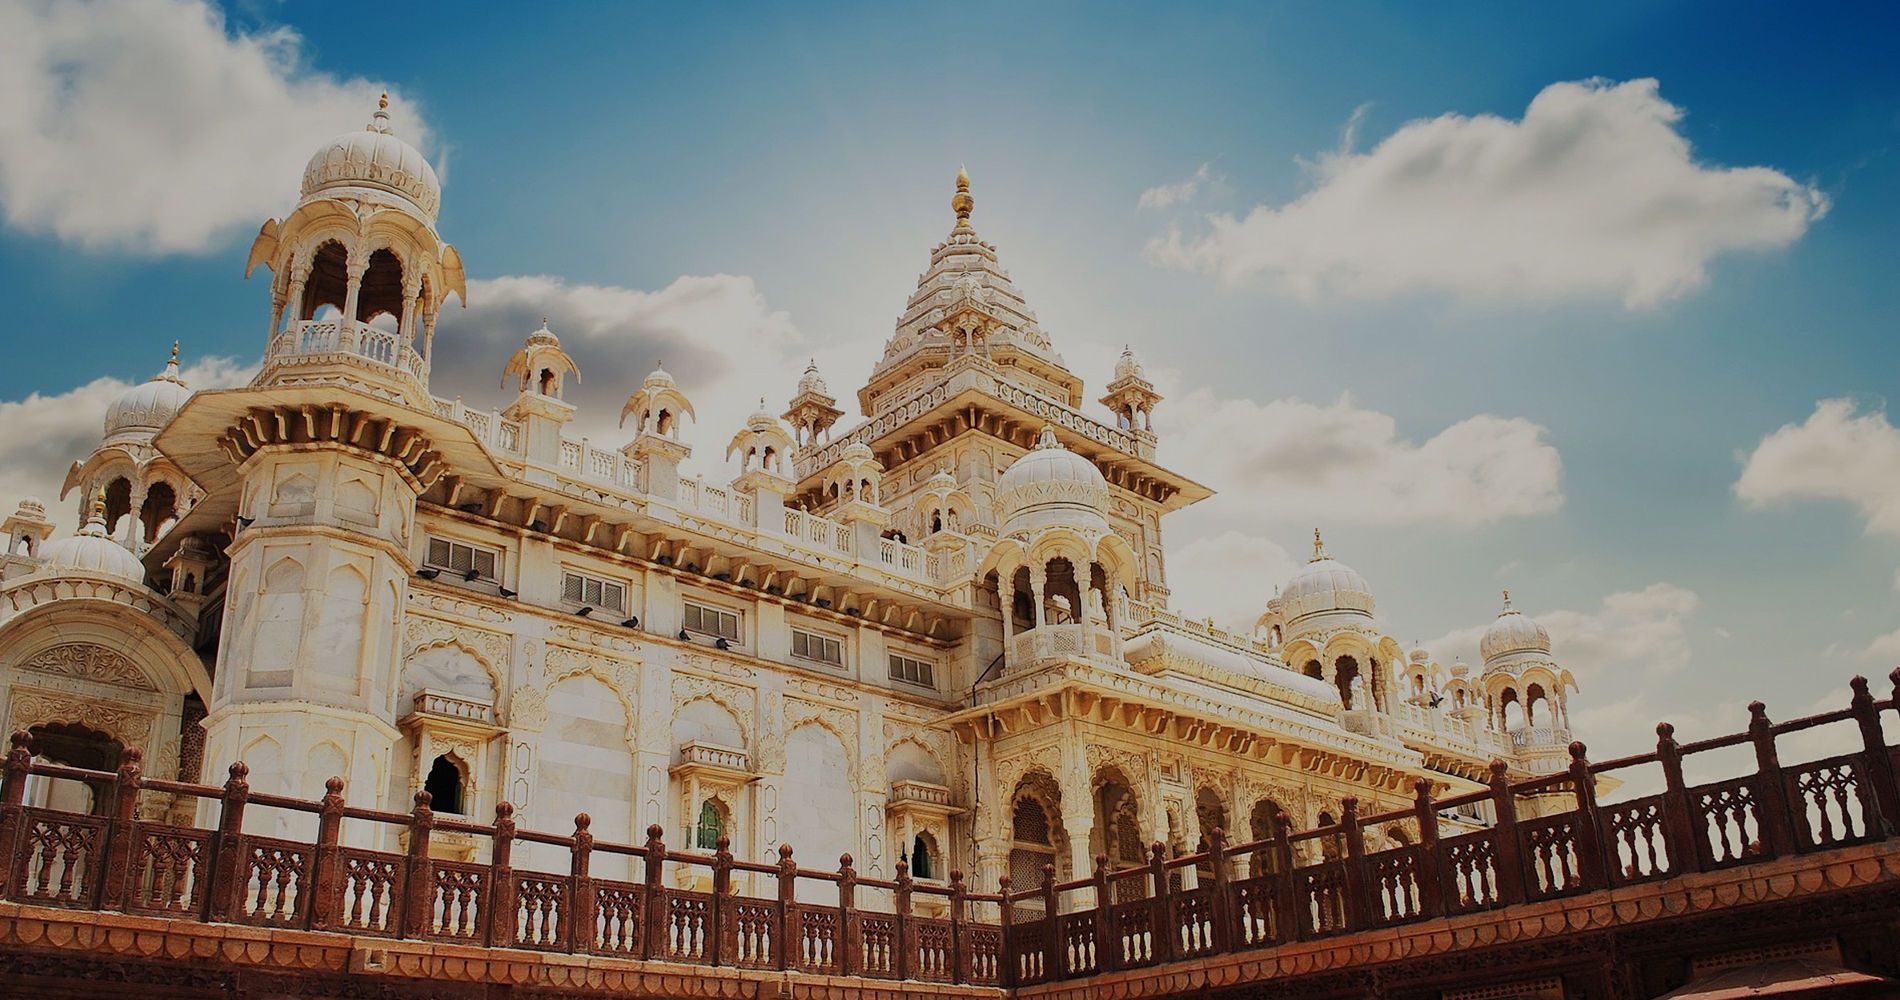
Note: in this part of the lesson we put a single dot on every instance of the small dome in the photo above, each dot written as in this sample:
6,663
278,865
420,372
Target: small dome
1459,668
543,336
30,508
1325,584
1419,656
90,551
813,382
1051,478
1129,366
375,158
150,405
1512,637
857,451
763,420
659,377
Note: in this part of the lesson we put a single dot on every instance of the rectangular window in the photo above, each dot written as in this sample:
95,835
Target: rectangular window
459,558
712,621
812,646
592,591
911,670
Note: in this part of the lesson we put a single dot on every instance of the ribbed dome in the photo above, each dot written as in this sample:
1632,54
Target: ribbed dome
375,158
90,551
1049,484
1128,366
1325,584
813,382
1513,635
150,405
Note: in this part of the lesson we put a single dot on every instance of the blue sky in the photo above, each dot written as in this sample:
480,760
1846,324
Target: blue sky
1470,380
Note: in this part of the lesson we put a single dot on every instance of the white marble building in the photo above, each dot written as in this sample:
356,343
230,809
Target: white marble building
941,634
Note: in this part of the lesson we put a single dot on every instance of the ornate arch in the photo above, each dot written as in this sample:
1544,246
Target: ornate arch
799,713
564,663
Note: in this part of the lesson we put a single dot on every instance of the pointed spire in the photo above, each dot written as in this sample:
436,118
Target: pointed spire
1507,605
961,202
170,372
1319,547
379,121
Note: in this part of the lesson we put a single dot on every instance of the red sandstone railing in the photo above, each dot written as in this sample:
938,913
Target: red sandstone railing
1294,886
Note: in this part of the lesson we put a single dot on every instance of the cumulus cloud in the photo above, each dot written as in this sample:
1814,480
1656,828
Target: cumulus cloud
1839,453
46,433
1884,648
1345,462
1228,576
1593,193
1180,193
152,126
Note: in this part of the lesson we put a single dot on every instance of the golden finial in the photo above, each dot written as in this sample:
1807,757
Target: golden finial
382,103
99,505
961,202
1319,547
174,352
1507,601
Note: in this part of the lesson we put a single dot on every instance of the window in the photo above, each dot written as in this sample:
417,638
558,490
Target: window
712,621
911,670
712,826
578,588
444,786
460,558
812,646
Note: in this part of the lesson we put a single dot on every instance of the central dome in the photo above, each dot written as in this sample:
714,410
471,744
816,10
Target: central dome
374,158
1325,585
1051,485
147,407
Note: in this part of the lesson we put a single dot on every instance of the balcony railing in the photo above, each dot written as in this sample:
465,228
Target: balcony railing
319,338
1293,886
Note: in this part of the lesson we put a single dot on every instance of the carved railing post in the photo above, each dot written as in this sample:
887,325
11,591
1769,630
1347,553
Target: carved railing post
581,882
229,874
722,937
1879,762
1592,866
1431,881
1164,933
1108,948
1052,940
1006,925
653,911
19,765
901,962
959,947
327,901
786,945
1353,867
1510,847
121,831
1775,818
846,953
502,886
1681,826
418,896
1285,885
1220,897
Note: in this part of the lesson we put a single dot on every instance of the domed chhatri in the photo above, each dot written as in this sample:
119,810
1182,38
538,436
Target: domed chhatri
813,382
92,552
1513,637
373,157
149,406
1050,484
1325,585
1128,366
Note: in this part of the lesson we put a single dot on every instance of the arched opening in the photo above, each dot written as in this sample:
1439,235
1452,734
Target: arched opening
327,282
1397,837
1346,677
1034,833
923,851
1510,711
1263,825
712,824
160,507
381,290
1532,696
1023,605
1118,830
444,785
1061,592
1211,813
118,502
545,382
72,745
1313,670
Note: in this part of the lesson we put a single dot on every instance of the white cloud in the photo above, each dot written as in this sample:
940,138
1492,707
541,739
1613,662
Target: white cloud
1884,648
152,126
1228,576
1838,454
47,433
1168,195
1342,462
1594,193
